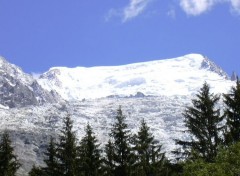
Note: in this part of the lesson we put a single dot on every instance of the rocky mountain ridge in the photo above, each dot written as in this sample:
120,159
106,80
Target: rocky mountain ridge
18,89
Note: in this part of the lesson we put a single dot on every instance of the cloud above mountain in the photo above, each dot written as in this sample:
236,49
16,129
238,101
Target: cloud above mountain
134,8
236,5
198,7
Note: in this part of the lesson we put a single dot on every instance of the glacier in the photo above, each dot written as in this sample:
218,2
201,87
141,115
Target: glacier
178,76
158,91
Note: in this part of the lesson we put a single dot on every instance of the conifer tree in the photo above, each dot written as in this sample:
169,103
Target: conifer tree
150,160
66,150
203,123
9,163
51,161
109,164
89,154
232,112
36,171
122,151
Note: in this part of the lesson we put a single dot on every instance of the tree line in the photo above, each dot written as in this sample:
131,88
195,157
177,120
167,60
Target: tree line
213,146
124,154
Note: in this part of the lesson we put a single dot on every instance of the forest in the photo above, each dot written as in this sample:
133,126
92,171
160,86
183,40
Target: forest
213,147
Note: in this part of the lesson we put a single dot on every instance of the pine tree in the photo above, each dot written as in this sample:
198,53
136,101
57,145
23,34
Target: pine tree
89,154
51,161
109,164
66,150
36,171
122,151
203,123
150,160
232,112
9,163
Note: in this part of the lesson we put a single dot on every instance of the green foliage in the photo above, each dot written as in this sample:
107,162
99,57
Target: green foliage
36,171
232,112
174,169
227,163
8,160
67,149
150,160
203,123
89,154
51,160
201,168
229,160
108,161
122,151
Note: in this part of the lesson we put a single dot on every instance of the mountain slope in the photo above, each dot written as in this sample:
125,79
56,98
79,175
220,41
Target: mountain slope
18,89
178,76
162,90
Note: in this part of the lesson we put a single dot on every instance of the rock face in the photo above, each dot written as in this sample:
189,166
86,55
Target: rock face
211,66
18,89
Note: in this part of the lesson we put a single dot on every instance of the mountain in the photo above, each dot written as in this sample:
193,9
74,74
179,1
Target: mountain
178,76
158,91
18,89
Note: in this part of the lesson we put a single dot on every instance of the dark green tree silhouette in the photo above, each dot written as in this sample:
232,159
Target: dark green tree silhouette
36,171
122,151
52,163
232,113
150,159
203,123
89,154
9,163
108,161
67,149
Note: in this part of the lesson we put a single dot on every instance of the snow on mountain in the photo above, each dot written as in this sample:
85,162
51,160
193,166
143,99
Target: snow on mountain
31,127
14,71
178,76
158,91
18,89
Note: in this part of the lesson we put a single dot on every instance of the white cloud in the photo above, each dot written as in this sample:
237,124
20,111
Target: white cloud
135,8
132,10
196,7
236,5
190,7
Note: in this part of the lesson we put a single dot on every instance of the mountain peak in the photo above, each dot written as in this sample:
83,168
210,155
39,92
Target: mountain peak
18,89
177,76
203,62
14,71
211,66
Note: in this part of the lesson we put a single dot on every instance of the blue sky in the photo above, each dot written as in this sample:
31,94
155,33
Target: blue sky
37,35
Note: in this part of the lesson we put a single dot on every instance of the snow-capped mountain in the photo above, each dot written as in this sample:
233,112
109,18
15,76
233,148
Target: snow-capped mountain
18,89
178,76
158,91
